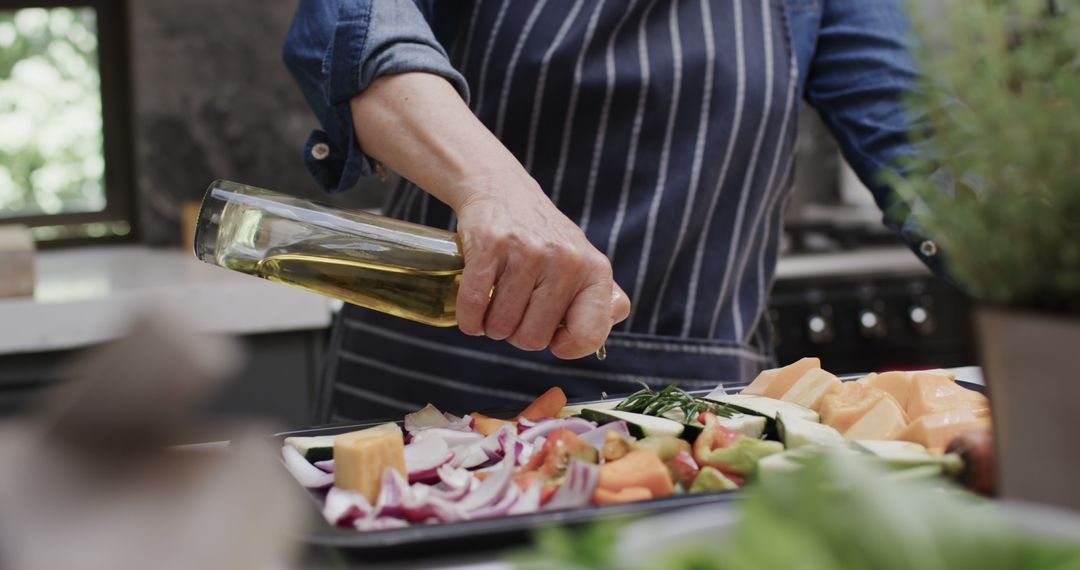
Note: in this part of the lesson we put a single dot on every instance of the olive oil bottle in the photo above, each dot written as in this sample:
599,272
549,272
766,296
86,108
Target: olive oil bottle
401,268
388,265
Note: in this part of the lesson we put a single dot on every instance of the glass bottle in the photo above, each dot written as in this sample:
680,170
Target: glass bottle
401,268
404,269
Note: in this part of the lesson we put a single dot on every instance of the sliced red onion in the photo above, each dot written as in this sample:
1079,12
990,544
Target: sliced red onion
524,424
425,418
577,488
529,502
393,490
423,458
545,427
502,442
307,474
327,465
415,504
492,488
454,477
452,494
469,457
501,508
464,423
452,438
596,437
343,508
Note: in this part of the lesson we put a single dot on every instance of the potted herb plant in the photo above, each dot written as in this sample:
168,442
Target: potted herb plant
998,186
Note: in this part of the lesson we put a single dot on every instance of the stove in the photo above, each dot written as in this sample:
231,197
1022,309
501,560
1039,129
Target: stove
854,295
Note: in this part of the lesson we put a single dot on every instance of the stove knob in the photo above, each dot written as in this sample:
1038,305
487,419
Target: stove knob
871,324
819,328
921,319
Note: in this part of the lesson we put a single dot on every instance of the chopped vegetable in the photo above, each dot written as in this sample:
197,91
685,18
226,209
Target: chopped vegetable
599,436
640,425
683,469
811,388
548,405
768,407
729,450
307,474
313,448
711,479
640,468
626,495
485,425
796,432
615,446
577,488
776,382
746,424
663,445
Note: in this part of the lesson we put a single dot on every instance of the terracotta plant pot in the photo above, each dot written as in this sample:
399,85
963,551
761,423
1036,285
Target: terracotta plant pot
1032,365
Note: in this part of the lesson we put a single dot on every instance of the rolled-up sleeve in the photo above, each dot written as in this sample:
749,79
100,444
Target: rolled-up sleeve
861,70
335,49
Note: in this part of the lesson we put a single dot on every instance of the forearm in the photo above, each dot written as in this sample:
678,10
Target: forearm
418,125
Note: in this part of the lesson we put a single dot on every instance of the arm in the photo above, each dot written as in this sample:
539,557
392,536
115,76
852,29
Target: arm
378,80
857,80
513,238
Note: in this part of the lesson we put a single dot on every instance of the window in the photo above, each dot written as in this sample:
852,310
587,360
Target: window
63,119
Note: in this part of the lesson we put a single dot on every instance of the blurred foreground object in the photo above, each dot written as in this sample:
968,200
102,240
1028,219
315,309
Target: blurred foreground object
998,189
839,513
90,482
16,261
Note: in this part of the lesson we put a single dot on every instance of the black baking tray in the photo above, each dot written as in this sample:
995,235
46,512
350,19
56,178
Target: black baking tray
422,540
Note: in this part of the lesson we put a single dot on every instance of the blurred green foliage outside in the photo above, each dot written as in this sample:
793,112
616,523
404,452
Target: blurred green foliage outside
51,142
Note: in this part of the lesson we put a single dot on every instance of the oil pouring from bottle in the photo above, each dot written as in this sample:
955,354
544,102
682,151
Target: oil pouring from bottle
396,267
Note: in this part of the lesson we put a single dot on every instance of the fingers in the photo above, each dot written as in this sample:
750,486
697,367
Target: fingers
512,292
482,267
550,300
620,305
588,323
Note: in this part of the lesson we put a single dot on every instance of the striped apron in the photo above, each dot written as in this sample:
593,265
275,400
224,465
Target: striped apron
666,129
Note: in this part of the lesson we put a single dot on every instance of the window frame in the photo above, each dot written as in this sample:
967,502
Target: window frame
114,66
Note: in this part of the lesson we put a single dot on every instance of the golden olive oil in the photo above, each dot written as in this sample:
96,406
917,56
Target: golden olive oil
404,269
421,295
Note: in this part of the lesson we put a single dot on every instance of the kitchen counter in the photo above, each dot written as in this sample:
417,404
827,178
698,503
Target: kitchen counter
86,296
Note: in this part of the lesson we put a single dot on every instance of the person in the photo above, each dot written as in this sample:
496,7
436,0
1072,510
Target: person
617,172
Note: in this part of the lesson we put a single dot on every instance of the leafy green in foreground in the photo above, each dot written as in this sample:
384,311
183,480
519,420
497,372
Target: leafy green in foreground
838,513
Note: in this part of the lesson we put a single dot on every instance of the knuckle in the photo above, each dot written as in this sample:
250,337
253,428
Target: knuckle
472,299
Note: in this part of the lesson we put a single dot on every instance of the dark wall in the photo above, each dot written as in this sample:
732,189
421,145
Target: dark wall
212,99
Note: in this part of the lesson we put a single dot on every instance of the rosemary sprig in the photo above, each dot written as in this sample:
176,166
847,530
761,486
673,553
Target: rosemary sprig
652,403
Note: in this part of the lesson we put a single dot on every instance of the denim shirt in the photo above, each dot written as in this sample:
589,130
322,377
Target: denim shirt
853,59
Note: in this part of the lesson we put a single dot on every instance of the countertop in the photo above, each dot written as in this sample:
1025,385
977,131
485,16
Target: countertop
88,295
85,296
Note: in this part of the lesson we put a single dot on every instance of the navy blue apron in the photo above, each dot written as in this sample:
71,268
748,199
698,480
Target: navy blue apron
666,129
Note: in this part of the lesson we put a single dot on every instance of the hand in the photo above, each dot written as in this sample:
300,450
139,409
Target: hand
548,286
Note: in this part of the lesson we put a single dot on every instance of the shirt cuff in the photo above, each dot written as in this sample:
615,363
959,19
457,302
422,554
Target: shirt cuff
370,40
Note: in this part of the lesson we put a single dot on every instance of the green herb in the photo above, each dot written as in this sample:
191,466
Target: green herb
651,403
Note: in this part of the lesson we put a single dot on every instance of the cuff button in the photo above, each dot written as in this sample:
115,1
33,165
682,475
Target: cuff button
320,151
928,248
